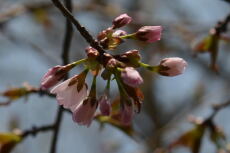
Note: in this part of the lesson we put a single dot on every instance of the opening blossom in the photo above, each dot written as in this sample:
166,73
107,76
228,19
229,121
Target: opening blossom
73,93
68,95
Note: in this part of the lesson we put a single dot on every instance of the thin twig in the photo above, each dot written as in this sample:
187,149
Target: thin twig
68,36
79,27
219,107
222,26
5,103
216,109
43,92
31,90
56,130
35,130
65,60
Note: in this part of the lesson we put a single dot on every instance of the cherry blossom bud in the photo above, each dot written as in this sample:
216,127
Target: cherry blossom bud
149,34
54,75
51,78
91,52
133,55
104,34
127,114
111,43
68,95
105,105
92,62
131,77
84,113
112,63
130,58
109,39
121,21
119,33
172,66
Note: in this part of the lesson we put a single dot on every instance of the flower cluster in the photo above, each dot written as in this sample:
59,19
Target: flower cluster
73,94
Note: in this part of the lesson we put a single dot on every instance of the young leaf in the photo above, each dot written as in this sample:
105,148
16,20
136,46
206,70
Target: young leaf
8,142
191,139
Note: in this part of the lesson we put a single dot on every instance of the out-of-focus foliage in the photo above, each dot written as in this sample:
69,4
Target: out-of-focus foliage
8,142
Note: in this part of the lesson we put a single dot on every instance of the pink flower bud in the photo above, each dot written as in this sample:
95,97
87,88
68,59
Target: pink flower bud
172,66
111,64
131,77
127,114
121,21
105,105
149,34
51,78
84,113
91,52
104,34
133,55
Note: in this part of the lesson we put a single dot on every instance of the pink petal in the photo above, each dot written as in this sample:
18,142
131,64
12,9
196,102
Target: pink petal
84,113
68,96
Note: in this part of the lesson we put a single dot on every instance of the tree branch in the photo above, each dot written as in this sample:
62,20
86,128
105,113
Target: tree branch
65,60
222,26
35,130
79,27
219,107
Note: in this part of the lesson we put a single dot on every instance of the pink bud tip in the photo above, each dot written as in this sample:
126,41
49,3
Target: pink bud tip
121,21
105,105
131,77
127,114
51,78
149,34
172,66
